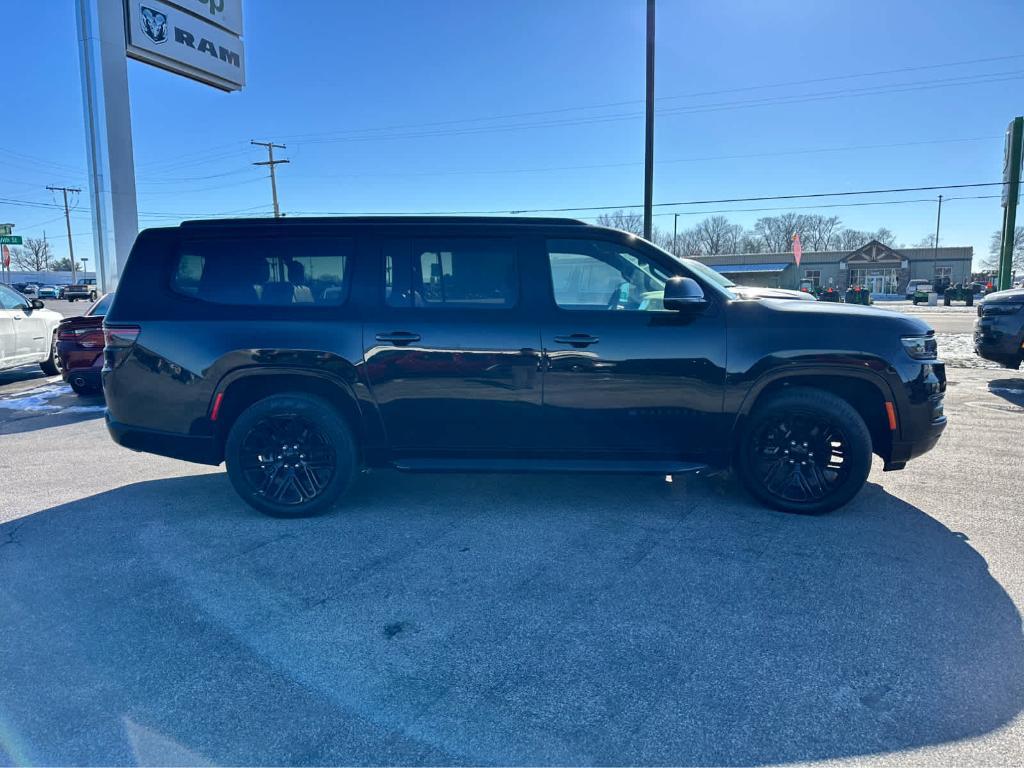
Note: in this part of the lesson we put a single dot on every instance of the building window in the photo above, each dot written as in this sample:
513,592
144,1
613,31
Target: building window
943,272
876,279
814,275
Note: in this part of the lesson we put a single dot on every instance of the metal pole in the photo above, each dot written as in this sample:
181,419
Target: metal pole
649,127
675,234
1011,193
935,245
108,135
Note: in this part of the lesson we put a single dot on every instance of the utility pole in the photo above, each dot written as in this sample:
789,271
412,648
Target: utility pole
1011,192
649,127
270,161
935,249
675,234
67,220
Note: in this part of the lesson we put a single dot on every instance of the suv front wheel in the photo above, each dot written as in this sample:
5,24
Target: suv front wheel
805,451
291,455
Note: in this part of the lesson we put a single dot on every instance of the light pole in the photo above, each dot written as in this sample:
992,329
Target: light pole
649,126
675,233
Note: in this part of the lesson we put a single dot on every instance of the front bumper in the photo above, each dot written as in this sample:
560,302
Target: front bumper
920,415
1000,339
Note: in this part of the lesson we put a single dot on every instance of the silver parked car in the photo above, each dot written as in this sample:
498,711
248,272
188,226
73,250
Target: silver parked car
28,332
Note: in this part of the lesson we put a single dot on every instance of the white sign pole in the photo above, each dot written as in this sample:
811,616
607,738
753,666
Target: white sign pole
108,133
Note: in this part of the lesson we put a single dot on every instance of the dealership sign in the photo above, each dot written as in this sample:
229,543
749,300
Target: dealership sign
194,38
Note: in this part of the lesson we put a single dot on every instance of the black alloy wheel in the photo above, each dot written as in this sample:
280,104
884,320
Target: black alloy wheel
290,455
806,451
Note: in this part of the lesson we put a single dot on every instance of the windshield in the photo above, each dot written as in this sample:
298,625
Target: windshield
708,273
102,306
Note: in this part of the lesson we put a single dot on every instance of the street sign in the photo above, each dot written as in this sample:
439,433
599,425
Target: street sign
5,229
10,239
165,36
223,13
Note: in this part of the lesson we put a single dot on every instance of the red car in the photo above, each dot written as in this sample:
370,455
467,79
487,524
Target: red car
80,348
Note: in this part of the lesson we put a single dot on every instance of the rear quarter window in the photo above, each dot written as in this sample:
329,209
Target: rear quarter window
278,271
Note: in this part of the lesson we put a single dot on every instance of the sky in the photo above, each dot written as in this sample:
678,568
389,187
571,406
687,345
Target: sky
480,105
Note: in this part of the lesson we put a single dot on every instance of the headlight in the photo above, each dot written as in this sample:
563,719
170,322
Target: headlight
921,347
999,308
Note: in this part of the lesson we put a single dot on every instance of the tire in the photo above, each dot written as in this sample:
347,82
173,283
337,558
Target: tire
49,365
820,483
92,296
84,390
266,455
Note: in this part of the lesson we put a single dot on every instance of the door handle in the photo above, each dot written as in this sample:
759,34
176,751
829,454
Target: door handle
578,340
398,338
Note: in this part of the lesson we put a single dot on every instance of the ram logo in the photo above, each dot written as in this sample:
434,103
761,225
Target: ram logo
154,24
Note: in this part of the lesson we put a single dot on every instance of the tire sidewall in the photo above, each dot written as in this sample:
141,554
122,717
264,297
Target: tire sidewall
334,428
824,405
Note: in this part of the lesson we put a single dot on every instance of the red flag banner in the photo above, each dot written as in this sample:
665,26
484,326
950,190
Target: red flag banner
7,257
798,249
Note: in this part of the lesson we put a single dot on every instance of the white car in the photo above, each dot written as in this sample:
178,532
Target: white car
28,332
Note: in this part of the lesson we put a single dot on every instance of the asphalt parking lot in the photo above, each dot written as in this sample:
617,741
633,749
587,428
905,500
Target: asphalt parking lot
147,616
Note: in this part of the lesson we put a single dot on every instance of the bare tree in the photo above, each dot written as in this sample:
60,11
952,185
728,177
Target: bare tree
627,221
777,231
817,232
716,235
995,248
928,241
884,236
852,239
749,242
34,256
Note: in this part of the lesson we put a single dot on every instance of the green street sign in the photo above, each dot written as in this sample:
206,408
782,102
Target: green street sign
10,239
5,229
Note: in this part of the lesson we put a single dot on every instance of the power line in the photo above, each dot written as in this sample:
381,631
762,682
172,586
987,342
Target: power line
696,94
706,158
367,134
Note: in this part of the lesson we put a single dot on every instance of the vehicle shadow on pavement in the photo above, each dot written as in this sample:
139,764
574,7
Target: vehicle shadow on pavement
1011,390
487,619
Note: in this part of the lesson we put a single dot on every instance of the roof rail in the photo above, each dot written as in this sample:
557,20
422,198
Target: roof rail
298,220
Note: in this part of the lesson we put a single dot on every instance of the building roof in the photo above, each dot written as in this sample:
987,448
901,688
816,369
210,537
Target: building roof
945,253
735,269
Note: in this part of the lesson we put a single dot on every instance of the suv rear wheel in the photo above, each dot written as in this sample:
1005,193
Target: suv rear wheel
805,451
291,455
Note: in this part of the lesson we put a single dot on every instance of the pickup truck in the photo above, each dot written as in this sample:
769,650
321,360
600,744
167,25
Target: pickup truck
83,289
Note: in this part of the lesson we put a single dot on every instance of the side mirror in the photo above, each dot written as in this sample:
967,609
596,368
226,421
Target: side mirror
684,294
37,304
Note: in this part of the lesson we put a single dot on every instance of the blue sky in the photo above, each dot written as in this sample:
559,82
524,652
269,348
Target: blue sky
478,106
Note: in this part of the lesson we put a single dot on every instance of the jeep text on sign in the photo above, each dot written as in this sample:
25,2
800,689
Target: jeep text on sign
180,42
223,13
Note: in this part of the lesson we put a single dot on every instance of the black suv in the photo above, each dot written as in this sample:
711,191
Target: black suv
301,350
999,331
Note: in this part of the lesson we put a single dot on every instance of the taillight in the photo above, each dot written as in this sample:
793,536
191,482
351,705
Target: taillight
120,337
84,337
117,341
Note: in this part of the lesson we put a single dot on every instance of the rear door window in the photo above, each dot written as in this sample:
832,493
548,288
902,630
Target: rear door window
275,271
451,272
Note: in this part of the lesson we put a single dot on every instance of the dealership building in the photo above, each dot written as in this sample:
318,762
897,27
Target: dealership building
875,266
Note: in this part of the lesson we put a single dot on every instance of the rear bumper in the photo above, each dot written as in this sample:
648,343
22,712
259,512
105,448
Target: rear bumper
199,449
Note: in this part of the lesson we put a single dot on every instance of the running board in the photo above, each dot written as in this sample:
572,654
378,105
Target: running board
642,467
